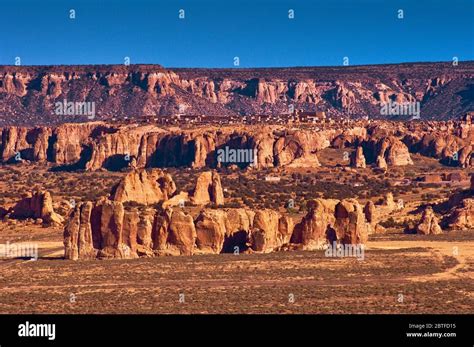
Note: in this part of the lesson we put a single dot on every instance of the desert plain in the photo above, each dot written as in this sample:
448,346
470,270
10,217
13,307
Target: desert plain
404,269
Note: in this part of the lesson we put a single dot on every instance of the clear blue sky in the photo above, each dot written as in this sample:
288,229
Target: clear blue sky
214,32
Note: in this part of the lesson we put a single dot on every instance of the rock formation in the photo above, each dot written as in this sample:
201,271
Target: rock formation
370,212
230,230
111,231
350,224
38,204
396,152
180,199
106,229
99,145
372,217
211,231
69,142
297,149
144,187
316,227
148,90
239,222
452,146
144,233
357,158
459,210
97,230
380,163
386,151
208,189
429,223
388,204
462,217
78,242
270,231
221,231
329,221
181,235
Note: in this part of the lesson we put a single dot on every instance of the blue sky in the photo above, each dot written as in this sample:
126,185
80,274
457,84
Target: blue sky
213,32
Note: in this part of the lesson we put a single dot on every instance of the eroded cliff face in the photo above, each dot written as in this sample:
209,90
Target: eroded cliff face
98,145
95,145
28,95
454,149
106,229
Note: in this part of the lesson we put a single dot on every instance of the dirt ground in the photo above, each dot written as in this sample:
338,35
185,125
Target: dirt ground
432,275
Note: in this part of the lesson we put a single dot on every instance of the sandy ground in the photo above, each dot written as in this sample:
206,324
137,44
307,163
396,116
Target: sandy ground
463,252
395,277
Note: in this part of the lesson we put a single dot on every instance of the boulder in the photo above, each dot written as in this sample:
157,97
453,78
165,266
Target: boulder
357,158
388,202
429,223
208,189
179,200
462,217
397,153
144,187
380,163
38,204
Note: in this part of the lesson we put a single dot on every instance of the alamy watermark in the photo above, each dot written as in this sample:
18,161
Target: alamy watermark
19,250
236,156
75,108
337,250
392,108
28,329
